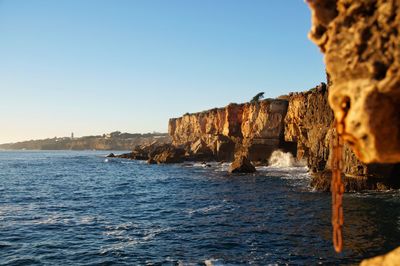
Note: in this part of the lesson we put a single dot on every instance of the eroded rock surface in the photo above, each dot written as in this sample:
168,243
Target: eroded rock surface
256,127
309,122
301,123
361,43
241,165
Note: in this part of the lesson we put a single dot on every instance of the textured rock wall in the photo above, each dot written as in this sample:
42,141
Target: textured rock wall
360,40
309,123
256,128
301,123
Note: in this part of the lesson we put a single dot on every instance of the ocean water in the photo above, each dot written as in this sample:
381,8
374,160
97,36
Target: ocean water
79,208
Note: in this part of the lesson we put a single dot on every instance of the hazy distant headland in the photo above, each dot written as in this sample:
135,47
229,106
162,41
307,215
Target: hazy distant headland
111,141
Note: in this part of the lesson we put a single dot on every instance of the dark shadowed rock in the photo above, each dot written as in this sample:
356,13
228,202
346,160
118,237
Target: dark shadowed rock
125,156
141,153
111,155
167,154
199,151
151,161
241,165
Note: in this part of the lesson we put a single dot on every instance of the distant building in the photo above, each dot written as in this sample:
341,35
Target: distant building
72,135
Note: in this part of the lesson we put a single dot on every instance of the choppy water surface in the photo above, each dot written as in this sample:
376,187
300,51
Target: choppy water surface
78,208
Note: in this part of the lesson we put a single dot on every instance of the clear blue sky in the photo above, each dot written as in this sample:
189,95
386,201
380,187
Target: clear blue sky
95,66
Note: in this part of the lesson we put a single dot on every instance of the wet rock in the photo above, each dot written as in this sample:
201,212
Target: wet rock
241,165
111,155
167,154
141,153
128,155
322,182
151,161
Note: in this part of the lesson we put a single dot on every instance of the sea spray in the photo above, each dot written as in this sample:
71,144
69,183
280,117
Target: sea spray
282,159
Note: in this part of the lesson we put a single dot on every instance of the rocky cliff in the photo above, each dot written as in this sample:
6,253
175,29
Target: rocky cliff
309,123
300,123
255,129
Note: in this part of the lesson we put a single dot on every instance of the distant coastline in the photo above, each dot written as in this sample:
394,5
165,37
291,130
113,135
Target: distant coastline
111,141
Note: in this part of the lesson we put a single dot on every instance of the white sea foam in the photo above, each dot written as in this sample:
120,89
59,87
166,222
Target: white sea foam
119,246
87,219
213,262
153,232
204,210
65,220
282,159
223,167
129,234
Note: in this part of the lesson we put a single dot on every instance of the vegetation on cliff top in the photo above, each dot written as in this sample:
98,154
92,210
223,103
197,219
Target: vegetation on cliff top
258,97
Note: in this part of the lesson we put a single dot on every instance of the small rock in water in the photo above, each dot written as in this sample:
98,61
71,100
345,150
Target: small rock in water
204,164
151,161
241,165
111,155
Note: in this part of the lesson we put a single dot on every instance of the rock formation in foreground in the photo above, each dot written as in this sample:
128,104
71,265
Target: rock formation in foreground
360,40
361,43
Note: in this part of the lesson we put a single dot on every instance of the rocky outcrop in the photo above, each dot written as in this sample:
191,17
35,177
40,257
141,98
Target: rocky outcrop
301,123
360,40
241,165
219,133
156,153
167,154
309,123
248,133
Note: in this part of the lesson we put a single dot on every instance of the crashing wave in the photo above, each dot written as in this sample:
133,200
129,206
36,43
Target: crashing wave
280,159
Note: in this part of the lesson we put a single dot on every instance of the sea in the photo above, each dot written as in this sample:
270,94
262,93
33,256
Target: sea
81,208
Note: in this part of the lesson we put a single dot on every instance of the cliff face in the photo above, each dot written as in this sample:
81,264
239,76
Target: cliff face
309,123
301,123
254,128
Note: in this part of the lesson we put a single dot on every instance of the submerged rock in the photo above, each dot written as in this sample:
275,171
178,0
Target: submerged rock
242,165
